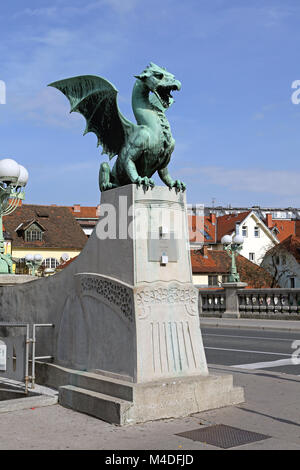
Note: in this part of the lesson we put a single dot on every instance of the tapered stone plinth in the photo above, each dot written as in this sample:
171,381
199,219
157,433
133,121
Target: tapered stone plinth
127,343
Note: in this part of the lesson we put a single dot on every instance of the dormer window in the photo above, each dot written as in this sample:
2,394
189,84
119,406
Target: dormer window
33,235
32,231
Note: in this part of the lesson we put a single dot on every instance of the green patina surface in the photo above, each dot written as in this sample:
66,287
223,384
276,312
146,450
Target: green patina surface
233,250
143,148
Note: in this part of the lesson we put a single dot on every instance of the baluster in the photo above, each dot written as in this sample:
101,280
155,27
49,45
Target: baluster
262,303
285,308
270,303
242,302
255,304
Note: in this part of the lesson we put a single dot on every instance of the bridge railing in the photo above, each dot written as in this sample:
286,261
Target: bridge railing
249,302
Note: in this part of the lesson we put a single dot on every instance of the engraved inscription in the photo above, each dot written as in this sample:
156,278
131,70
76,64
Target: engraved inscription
116,294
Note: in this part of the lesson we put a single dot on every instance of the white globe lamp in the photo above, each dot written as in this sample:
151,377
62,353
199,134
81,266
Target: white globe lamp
226,240
23,176
9,170
238,239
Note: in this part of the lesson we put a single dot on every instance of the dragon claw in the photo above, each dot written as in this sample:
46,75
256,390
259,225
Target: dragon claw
147,182
179,185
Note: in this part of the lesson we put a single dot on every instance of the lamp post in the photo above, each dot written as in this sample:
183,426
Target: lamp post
13,179
33,262
233,246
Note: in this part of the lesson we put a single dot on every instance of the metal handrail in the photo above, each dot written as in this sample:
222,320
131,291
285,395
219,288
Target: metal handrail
37,325
29,341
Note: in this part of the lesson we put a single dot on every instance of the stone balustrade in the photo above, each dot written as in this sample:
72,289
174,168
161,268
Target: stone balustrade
250,302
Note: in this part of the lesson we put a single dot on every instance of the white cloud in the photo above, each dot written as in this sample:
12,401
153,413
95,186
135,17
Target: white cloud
34,12
55,38
47,107
119,6
55,53
279,182
258,116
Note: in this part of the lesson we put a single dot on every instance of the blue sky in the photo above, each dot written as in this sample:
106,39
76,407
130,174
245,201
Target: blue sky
237,131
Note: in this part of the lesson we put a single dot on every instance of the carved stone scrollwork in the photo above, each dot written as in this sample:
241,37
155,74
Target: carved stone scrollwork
148,297
113,293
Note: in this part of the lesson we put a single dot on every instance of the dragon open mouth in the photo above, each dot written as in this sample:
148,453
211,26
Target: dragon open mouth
164,95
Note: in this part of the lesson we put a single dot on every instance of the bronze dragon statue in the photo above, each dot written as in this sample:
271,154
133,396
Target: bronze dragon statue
142,148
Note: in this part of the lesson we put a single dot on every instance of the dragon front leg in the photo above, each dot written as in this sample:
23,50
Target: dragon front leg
131,154
104,177
168,180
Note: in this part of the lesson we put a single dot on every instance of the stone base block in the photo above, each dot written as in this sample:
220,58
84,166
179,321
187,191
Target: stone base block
231,315
124,403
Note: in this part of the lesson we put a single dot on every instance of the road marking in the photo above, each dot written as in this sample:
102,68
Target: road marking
247,337
246,351
264,365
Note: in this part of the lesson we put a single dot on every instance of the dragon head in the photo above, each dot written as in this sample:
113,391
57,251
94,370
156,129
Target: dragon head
160,82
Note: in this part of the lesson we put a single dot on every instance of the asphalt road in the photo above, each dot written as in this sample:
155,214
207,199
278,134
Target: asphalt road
253,349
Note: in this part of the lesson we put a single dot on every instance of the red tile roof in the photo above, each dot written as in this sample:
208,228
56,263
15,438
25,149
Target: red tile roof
201,229
290,244
85,212
61,230
226,223
285,227
218,262
297,228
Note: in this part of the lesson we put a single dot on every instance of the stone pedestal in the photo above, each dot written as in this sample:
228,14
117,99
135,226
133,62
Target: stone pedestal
127,344
232,301
140,315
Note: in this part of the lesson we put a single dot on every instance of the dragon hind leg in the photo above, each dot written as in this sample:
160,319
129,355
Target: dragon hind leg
105,177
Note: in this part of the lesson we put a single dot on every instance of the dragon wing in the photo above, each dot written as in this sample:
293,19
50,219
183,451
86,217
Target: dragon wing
96,99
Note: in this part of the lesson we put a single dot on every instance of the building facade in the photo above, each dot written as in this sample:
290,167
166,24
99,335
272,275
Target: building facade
50,231
283,262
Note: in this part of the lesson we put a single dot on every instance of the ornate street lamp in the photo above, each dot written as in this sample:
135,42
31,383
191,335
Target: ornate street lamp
233,246
33,262
13,179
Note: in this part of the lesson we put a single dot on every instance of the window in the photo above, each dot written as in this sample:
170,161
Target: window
205,234
50,263
256,232
33,235
252,257
213,280
21,267
225,277
244,231
292,282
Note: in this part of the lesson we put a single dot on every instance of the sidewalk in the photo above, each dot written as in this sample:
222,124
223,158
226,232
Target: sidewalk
272,408
283,325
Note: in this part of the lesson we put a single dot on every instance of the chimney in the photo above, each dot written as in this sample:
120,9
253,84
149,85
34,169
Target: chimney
76,208
269,220
205,251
